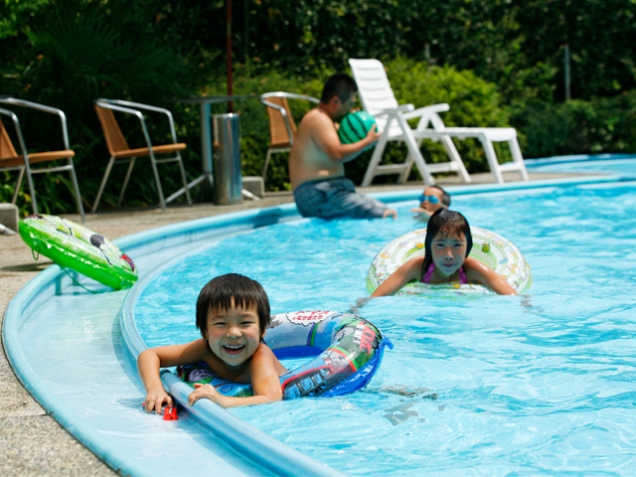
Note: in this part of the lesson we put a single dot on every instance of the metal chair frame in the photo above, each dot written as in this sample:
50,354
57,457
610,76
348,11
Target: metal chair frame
26,167
287,120
132,108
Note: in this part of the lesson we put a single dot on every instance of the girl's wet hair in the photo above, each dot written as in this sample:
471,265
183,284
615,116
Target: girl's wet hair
450,224
220,293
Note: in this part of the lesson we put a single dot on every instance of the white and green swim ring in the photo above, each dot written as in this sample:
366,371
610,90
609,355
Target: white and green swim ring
489,248
73,246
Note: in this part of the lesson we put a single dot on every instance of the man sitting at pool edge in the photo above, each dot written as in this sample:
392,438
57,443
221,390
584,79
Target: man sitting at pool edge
432,199
316,159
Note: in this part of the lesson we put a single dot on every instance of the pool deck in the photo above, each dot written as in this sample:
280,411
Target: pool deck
32,442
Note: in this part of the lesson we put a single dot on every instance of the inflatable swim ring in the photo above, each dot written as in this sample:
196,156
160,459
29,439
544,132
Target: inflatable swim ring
347,351
73,246
488,247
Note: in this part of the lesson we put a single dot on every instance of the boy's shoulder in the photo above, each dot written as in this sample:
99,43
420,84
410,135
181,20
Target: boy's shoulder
265,356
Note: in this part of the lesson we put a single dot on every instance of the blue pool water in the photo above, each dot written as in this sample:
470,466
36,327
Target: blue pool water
603,164
476,384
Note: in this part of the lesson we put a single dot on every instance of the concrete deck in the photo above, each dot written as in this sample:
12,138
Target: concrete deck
31,442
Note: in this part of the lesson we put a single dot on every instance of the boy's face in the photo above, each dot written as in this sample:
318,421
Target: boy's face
233,335
429,196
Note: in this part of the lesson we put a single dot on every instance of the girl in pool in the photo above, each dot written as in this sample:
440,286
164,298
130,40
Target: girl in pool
232,314
447,245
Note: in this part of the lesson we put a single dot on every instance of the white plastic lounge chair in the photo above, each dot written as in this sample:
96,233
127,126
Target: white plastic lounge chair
378,99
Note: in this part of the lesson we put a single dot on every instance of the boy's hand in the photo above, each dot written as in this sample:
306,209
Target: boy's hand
390,213
205,391
372,135
360,302
421,212
155,401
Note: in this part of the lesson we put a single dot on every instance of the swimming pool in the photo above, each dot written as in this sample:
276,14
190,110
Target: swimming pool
476,384
66,347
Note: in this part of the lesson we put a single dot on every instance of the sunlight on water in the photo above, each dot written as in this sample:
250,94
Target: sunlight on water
476,384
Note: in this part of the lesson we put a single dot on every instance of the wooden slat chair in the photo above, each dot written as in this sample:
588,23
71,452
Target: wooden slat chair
282,128
11,160
121,152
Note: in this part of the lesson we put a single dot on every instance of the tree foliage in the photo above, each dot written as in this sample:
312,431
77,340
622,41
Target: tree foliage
497,62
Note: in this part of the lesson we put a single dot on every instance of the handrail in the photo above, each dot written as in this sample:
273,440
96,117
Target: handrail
18,131
281,110
131,104
62,116
106,103
45,109
283,94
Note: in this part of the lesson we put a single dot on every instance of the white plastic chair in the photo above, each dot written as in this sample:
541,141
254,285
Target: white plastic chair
378,99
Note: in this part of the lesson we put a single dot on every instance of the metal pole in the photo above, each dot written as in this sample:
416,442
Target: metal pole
206,151
228,52
566,61
246,36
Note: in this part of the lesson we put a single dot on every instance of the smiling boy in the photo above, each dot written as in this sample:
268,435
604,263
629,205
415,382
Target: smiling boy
232,314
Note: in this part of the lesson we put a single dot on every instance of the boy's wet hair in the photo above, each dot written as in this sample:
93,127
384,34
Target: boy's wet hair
446,199
450,224
220,293
341,85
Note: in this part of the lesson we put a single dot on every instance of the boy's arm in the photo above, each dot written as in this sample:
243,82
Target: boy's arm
422,212
265,383
478,272
409,271
323,132
151,360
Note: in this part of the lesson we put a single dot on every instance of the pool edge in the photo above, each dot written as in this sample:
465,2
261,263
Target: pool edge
53,278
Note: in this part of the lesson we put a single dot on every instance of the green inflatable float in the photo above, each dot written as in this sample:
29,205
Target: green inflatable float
73,246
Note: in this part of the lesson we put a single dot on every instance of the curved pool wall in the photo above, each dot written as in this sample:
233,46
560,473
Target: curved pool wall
117,432
254,444
90,385
623,165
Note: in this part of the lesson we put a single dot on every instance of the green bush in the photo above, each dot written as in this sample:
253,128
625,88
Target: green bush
79,52
601,125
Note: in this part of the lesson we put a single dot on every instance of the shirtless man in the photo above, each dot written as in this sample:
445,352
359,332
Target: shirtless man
316,160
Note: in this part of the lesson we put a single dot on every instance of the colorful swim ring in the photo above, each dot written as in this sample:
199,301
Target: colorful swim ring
346,351
73,246
489,248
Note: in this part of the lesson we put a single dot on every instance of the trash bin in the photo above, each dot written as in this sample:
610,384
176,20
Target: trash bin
227,159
